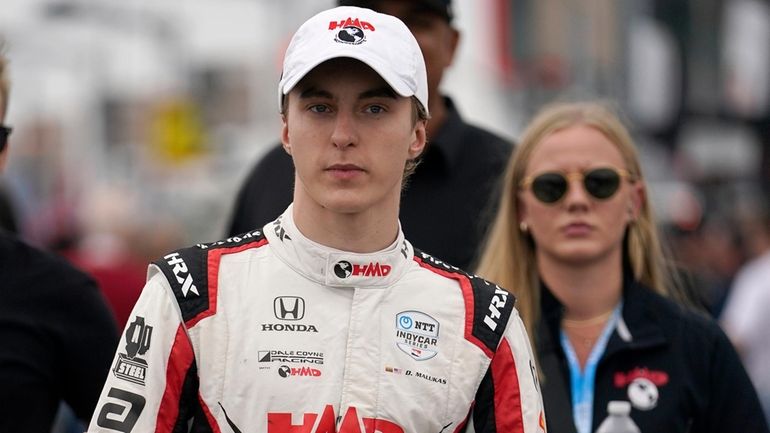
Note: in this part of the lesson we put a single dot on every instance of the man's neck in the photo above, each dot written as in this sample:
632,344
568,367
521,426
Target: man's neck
585,290
363,232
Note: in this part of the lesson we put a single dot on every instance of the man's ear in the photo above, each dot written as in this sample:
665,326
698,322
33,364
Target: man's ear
417,146
285,134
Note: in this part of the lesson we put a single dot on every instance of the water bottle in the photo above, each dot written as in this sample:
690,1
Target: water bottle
618,419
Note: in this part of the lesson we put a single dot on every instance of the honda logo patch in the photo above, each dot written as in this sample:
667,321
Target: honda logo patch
289,307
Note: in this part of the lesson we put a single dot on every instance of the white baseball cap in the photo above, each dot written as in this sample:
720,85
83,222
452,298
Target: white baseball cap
381,41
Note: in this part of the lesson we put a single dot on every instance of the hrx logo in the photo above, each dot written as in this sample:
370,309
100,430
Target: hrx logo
181,273
498,302
312,423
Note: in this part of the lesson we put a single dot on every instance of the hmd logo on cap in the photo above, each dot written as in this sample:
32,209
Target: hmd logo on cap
351,31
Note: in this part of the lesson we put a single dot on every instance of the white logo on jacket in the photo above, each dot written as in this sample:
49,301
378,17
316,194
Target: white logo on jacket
497,303
417,334
181,273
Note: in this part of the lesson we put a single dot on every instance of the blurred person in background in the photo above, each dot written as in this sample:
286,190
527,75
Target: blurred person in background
746,317
328,319
575,238
447,202
57,333
718,246
109,246
708,255
8,220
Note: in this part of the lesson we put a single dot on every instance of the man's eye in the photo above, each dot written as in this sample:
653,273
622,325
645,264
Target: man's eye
375,109
319,108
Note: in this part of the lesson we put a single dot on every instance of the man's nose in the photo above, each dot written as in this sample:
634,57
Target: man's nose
344,133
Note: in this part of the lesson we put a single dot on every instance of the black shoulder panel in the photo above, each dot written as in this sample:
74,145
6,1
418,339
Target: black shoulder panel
187,271
492,305
492,310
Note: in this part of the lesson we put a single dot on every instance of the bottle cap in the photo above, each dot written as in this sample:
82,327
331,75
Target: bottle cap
618,407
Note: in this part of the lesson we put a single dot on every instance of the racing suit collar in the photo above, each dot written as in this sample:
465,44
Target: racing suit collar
333,267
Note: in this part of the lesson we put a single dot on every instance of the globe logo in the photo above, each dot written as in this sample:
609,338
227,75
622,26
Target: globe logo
284,371
350,35
343,269
643,394
405,322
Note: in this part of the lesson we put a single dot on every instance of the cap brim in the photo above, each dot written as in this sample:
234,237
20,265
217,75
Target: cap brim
397,85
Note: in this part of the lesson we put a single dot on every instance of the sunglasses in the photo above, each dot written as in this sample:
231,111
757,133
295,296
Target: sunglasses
600,183
4,133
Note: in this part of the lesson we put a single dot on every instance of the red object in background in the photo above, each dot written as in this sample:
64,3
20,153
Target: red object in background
502,17
120,279
121,286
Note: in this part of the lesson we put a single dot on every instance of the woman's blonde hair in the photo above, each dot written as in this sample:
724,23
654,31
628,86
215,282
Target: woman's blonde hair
508,256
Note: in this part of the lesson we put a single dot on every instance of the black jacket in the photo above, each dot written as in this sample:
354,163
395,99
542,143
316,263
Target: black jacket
700,382
446,205
57,338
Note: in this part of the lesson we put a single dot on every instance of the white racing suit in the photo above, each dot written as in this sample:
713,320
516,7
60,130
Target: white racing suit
271,332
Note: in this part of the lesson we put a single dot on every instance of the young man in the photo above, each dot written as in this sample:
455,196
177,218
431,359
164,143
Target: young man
446,206
57,332
327,320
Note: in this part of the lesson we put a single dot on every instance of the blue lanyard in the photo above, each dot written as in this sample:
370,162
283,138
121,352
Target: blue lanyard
582,382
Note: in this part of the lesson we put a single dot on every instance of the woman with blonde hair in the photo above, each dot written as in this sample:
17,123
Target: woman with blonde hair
575,240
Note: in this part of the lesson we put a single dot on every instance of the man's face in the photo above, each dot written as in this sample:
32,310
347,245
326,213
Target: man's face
437,39
350,136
